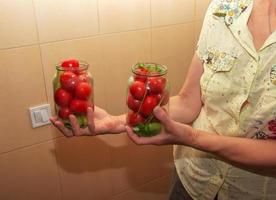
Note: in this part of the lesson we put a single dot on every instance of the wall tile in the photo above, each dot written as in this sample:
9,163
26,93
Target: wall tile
13,33
201,8
22,86
133,165
123,15
174,46
30,173
121,51
61,20
84,165
154,190
168,12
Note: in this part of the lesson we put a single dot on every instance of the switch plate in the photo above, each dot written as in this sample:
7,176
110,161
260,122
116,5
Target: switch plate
40,115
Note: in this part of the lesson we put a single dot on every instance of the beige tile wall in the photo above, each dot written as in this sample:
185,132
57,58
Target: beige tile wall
110,35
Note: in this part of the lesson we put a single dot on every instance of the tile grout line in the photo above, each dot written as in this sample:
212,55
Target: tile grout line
96,35
30,145
140,186
59,174
151,41
98,15
40,53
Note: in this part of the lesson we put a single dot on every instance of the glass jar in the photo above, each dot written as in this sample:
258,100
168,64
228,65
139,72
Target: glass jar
148,87
73,91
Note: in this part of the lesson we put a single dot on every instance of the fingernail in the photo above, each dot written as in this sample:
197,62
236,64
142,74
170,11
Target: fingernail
127,128
156,109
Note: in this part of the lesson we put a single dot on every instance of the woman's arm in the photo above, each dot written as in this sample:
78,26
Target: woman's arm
244,151
186,106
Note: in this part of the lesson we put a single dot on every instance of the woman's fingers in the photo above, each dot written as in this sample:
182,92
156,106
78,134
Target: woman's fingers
155,140
135,138
91,123
164,118
75,126
66,132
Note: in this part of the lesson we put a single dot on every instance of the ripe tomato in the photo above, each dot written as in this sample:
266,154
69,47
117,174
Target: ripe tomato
165,96
138,90
64,112
79,106
62,97
83,90
70,63
83,78
134,118
132,103
148,105
141,73
156,85
68,80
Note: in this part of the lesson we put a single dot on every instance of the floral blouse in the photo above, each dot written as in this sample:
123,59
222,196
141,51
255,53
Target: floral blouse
238,89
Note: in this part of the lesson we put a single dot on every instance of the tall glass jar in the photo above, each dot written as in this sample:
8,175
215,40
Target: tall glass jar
73,91
148,87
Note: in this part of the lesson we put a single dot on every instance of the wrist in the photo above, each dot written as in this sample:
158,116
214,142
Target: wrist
120,122
193,135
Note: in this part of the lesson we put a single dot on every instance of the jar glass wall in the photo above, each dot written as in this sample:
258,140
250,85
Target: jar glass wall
148,87
73,91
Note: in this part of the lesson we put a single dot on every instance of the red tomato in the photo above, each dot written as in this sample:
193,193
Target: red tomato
148,105
165,96
134,118
79,106
141,73
83,90
156,85
83,78
68,81
62,97
138,90
132,103
70,63
64,112
158,98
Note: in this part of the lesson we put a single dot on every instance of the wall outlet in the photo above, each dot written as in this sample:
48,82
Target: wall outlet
40,115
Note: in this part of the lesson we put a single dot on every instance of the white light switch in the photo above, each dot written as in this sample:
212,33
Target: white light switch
40,115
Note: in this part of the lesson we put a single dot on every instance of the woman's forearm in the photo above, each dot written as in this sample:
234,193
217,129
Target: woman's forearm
243,151
184,109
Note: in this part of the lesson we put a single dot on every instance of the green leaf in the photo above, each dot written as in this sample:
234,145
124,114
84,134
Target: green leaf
141,65
153,128
67,123
147,130
82,121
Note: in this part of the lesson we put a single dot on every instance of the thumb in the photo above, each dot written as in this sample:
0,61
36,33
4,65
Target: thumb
164,118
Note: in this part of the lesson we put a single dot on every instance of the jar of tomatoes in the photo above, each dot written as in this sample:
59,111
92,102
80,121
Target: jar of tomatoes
148,87
73,91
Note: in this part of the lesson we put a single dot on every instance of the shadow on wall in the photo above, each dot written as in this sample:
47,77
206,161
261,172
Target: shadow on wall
125,163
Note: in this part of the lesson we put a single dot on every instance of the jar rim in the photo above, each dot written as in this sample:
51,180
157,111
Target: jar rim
160,73
82,66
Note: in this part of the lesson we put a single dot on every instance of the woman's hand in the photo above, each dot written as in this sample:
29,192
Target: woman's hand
99,122
172,132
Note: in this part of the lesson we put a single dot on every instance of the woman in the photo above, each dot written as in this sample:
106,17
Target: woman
229,97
